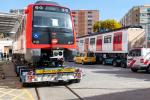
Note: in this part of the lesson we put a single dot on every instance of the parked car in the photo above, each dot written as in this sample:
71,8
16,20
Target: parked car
84,58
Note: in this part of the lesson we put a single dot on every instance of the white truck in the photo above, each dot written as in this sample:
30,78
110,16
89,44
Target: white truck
139,59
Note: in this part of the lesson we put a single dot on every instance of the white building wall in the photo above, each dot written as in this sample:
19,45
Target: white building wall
4,43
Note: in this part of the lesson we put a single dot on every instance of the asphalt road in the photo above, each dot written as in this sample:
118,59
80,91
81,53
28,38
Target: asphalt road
99,82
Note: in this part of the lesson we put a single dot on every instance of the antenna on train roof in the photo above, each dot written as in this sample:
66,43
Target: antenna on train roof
46,2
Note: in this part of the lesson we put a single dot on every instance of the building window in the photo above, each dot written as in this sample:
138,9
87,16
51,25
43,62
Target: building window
148,14
73,12
89,21
89,12
148,9
89,30
107,39
90,16
89,24
143,14
81,41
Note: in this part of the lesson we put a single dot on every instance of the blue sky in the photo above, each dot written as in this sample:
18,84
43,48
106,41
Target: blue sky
114,9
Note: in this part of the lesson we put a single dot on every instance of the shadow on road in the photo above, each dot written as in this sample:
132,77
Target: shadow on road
139,94
121,72
117,71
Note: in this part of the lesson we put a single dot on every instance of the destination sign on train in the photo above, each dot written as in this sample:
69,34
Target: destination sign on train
51,8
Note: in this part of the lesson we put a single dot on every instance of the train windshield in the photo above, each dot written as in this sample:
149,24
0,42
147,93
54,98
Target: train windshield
52,22
52,19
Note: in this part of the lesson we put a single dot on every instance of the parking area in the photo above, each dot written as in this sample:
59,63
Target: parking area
10,87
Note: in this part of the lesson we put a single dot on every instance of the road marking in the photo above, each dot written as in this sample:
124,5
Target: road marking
29,94
18,96
7,93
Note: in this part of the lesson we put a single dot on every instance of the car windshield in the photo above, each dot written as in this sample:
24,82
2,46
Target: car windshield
135,52
90,55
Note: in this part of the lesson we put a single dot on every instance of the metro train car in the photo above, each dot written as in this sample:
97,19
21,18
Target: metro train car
45,31
112,47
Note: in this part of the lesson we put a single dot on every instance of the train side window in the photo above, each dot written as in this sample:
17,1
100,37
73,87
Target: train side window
92,41
107,39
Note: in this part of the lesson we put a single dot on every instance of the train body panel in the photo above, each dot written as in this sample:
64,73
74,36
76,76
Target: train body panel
112,47
119,41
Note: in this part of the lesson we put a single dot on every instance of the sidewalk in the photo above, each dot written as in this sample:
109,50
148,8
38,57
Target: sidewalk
10,87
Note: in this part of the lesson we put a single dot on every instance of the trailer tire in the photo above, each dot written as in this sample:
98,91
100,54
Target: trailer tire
77,81
83,63
103,62
123,65
134,70
115,64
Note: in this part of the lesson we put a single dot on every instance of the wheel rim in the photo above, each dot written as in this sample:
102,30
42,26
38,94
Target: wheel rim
82,62
114,64
103,62
122,65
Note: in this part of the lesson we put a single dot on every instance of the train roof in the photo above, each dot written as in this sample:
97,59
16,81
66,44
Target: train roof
111,31
46,2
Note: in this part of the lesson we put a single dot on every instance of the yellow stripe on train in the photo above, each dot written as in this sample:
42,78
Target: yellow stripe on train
41,71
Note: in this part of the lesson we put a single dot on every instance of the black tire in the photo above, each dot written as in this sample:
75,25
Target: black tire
115,64
77,81
123,65
134,70
25,85
103,62
148,69
83,63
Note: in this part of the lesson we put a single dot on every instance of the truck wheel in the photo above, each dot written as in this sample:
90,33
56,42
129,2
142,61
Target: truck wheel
148,69
114,64
123,65
134,70
83,63
77,80
103,62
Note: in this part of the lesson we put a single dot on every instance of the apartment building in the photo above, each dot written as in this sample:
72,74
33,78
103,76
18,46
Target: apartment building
139,15
84,21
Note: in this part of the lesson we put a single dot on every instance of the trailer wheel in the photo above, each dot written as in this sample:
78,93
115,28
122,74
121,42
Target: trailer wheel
134,70
115,64
123,65
103,62
77,81
83,63
24,84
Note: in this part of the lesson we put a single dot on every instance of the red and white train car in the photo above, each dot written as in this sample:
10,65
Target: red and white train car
112,43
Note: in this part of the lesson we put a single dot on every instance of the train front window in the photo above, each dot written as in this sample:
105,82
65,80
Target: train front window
52,19
52,23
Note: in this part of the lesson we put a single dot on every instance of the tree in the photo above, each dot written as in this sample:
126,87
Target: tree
96,26
105,25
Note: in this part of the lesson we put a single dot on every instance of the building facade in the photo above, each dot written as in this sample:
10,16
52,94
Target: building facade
84,21
139,15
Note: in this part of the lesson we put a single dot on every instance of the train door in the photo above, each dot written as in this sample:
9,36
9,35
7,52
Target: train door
99,43
117,42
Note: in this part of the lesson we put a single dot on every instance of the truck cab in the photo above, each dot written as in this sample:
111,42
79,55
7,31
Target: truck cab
139,59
